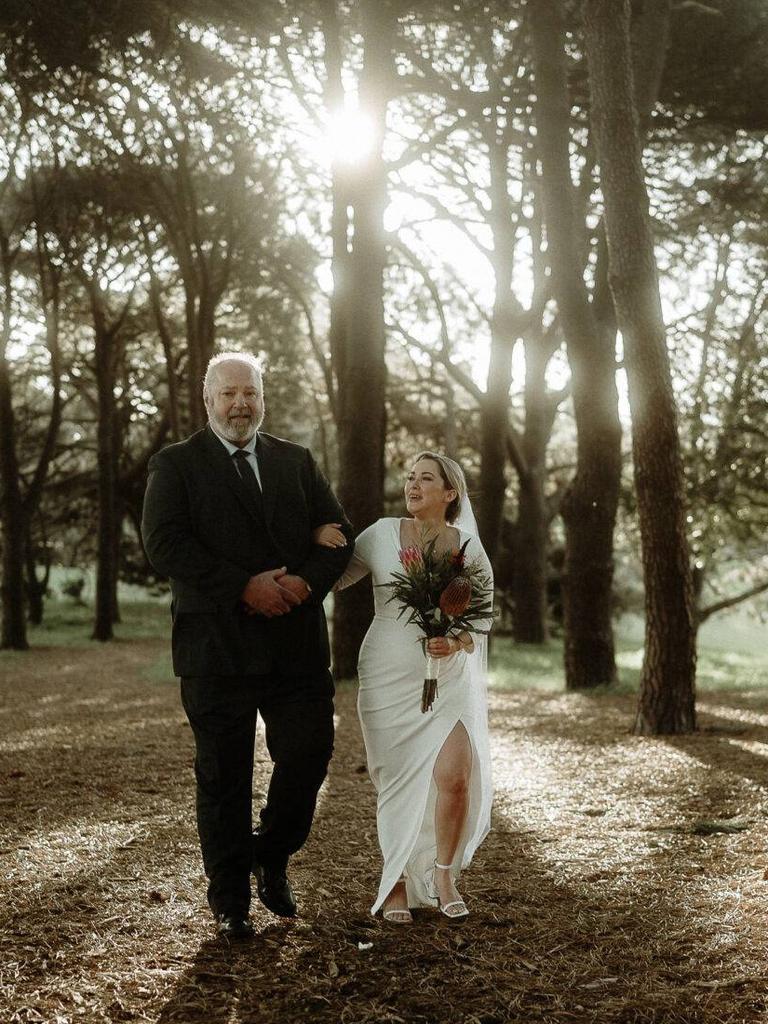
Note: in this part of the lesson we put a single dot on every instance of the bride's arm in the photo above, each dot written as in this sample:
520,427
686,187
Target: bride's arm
359,564
356,569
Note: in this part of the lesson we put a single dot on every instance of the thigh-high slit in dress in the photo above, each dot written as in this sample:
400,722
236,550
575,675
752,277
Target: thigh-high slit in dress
402,743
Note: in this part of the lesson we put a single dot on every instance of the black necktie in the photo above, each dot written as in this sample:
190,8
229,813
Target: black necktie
248,475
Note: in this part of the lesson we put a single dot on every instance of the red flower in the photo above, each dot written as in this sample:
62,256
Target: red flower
455,599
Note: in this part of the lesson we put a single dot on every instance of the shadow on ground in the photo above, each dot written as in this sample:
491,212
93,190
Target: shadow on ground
594,898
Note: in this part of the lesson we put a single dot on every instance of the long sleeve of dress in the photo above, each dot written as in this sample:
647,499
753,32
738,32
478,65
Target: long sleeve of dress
359,564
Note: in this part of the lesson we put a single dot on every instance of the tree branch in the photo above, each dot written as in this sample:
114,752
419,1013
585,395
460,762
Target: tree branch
704,613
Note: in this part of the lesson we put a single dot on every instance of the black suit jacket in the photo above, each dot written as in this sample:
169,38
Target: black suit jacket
200,528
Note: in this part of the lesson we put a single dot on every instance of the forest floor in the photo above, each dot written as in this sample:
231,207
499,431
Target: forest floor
624,879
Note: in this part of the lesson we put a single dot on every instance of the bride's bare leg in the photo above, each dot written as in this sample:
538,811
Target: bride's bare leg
453,770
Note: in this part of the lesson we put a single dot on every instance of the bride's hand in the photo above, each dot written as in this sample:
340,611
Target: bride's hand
442,646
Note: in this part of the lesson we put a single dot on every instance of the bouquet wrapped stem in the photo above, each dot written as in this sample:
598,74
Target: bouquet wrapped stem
429,690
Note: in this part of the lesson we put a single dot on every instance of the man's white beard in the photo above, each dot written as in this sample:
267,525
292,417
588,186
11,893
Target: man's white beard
235,430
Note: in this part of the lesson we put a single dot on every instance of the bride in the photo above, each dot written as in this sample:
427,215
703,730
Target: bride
431,771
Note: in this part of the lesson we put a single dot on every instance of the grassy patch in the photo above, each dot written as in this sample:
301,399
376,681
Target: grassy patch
67,624
519,667
516,667
731,670
513,667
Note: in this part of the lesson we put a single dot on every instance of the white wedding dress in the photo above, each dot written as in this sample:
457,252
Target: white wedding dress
402,744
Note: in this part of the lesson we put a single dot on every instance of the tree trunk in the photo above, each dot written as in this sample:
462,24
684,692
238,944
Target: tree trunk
14,627
667,703
200,340
204,274
35,588
117,530
494,423
529,580
590,504
508,324
352,610
494,410
360,343
334,104
49,277
166,340
106,541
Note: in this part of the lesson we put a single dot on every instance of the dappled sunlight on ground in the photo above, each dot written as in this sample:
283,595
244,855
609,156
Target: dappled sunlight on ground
757,747
623,879
734,714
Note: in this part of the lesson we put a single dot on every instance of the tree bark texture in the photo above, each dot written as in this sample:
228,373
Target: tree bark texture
590,504
167,341
529,579
511,323
49,277
12,596
36,588
106,341
667,698
14,628
358,338
494,409
106,568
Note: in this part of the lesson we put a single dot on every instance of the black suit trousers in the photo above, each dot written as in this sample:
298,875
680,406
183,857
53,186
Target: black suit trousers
297,712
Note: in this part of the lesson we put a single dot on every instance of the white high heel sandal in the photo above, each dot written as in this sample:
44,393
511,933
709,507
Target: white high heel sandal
455,909
398,916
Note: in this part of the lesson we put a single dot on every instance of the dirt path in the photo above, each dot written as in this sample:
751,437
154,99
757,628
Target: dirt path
594,898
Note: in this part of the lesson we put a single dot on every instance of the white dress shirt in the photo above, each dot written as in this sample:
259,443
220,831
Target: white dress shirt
249,449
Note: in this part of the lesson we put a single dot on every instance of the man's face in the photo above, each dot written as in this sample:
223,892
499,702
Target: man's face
235,402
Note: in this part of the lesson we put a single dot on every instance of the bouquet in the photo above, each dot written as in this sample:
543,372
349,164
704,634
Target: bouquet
444,594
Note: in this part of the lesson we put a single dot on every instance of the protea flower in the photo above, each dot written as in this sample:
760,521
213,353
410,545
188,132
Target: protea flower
411,559
455,599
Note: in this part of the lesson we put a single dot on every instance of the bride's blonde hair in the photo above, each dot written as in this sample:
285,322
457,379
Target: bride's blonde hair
453,478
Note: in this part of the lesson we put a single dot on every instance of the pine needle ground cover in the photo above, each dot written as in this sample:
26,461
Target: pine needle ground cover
624,879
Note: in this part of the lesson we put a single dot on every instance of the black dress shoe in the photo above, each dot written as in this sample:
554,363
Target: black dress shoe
274,890
234,926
